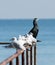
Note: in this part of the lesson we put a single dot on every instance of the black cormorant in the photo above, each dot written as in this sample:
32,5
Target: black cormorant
35,28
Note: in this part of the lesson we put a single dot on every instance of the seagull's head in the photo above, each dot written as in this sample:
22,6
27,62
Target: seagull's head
13,39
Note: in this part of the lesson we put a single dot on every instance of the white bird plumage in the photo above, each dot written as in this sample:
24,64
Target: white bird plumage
30,39
19,43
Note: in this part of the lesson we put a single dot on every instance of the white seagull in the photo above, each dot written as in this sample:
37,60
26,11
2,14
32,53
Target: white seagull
23,40
30,39
18,43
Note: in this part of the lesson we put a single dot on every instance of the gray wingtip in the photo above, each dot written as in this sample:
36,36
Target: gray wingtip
39,41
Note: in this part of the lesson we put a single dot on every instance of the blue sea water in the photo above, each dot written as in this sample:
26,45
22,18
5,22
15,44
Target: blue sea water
45,49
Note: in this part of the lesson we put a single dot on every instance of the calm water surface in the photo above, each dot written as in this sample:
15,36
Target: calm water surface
45,49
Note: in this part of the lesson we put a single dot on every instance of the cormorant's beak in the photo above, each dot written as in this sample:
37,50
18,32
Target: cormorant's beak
37,19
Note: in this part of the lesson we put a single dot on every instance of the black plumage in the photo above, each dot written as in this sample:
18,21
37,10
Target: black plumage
35,28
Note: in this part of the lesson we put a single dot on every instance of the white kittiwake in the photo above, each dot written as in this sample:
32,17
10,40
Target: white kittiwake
30,39
18,43
23,40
